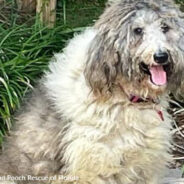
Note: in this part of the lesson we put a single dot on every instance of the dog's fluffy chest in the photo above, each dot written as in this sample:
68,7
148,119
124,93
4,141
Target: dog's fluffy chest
123,146
140,133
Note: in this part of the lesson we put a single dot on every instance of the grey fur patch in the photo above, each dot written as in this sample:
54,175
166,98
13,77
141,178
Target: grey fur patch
34,142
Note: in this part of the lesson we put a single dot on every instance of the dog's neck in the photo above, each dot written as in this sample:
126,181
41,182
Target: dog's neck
137,99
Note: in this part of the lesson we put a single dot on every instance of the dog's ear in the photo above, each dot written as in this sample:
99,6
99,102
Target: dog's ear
177,79
101,66
109,51
176,84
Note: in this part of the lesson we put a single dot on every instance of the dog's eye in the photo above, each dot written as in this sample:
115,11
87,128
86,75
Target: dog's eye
165,28
138,31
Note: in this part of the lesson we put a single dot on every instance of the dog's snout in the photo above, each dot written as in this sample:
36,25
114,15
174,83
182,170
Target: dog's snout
161,57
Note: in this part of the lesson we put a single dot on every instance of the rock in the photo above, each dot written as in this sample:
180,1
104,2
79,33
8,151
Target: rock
173,176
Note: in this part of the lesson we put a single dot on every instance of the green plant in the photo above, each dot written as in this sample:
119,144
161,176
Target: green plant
24,55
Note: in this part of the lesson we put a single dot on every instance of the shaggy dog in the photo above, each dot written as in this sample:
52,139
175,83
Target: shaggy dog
99,116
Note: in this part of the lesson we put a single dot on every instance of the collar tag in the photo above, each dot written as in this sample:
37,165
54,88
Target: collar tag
161,115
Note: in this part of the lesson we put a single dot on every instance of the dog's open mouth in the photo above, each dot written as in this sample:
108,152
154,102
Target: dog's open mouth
158,73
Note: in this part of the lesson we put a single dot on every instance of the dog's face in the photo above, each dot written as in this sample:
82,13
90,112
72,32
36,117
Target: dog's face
139,46
152,48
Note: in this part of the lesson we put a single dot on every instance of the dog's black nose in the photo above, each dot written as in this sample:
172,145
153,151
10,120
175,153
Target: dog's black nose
161,57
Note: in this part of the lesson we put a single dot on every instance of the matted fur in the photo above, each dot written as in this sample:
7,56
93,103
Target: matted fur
80,120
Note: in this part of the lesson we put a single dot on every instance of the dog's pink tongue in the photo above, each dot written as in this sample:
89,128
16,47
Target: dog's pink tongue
158,75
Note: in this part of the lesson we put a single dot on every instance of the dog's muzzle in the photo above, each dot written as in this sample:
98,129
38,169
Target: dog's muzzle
160,71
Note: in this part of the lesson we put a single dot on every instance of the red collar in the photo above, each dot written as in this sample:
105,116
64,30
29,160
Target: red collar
137,99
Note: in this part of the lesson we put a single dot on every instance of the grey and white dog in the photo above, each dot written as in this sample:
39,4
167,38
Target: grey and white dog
99,116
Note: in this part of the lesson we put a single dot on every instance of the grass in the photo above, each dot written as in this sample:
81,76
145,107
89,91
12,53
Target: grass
82,13
24,55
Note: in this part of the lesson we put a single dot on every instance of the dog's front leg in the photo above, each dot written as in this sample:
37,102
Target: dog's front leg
90,161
